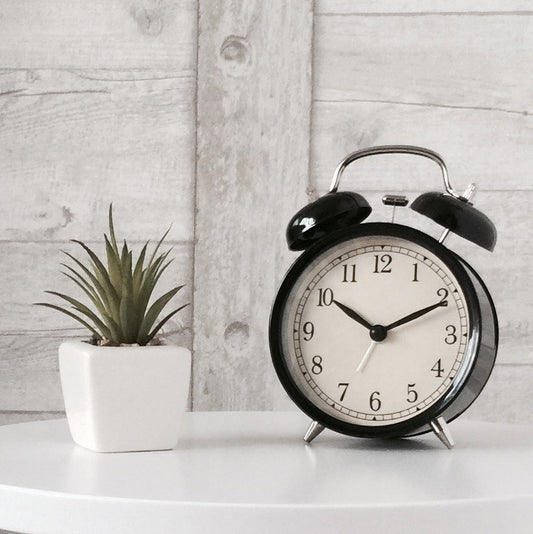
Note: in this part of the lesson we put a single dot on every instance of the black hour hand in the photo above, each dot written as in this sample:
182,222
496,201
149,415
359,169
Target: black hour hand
353,315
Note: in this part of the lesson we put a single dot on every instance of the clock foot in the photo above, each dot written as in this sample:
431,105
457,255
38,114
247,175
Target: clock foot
313,431
441,430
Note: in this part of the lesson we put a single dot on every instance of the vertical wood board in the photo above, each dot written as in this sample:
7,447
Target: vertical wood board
254,72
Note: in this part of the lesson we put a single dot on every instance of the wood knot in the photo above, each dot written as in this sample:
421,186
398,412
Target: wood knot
149,21
237,55
236,335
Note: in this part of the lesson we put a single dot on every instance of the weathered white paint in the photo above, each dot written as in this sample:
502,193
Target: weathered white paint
117,34
442,61
71,142
491,148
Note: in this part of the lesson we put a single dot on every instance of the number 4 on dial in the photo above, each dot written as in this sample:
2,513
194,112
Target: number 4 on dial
438,369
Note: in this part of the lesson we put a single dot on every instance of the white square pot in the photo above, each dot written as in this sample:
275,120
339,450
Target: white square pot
124,398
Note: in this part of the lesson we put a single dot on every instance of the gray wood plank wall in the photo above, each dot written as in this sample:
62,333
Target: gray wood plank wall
223,118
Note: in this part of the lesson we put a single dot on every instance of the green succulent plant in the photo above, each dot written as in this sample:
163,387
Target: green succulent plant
119,291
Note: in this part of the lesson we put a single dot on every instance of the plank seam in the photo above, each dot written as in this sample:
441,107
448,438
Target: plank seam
430,14
194,200
68,332
182,242
31,412
423,104
311,187
75,70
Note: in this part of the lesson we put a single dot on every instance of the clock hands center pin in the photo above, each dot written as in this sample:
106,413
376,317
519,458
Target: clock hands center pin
377,332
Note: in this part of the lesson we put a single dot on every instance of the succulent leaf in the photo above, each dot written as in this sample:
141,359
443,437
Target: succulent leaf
160,325
80,307
113,266
155,309
112,229
95,283
73,315
119,291
88,291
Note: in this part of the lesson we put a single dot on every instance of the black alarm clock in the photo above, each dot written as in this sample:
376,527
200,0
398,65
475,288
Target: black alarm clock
379,330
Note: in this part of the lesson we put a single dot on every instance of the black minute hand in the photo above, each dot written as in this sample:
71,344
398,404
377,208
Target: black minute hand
416,315
353,315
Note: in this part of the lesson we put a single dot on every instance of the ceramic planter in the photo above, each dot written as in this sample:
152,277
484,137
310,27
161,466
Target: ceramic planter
121,399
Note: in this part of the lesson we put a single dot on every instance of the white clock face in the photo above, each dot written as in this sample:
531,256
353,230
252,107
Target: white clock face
375,330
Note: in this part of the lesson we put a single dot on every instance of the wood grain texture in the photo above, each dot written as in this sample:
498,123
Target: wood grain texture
30,374
254,71
116,34
73,141
490,148
475,62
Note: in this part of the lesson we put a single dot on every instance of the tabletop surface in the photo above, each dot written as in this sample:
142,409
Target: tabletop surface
231,471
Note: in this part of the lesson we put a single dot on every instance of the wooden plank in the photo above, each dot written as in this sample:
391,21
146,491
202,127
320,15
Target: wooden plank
20,287
29,373
71,142
507,397
121,34
254,71
448,61
490,148
13,417
419,7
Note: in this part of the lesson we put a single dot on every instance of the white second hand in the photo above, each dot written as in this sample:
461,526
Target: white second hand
368,352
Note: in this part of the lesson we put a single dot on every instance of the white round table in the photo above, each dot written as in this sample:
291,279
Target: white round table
246,472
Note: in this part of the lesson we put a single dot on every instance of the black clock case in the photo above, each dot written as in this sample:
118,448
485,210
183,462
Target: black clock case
480,354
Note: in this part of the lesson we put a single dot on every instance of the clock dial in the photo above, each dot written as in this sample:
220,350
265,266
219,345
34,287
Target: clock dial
375,330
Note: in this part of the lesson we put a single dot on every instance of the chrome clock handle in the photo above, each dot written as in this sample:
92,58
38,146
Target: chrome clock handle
394,149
